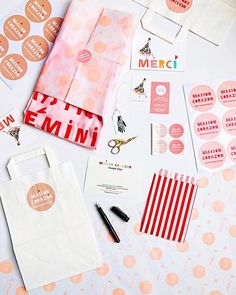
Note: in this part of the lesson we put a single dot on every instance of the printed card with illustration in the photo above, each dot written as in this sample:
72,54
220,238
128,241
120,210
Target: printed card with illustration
13,134
212,116
152,53
26,36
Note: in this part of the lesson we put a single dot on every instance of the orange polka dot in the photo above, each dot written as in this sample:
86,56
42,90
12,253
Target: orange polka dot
225,263
208,238
218,206
202,182
105,20
172,279
89,104
118,291
232,231
63,80
156,253
128,31
68,51
182,247
49,287
194,214
21,291
99,47
199,271
93,75
76,279
103,270
215,292
75,24
129,261
6,267
228,174
145,287
137,229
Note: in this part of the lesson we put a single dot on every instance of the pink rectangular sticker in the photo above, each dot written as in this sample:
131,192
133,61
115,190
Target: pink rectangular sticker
160,96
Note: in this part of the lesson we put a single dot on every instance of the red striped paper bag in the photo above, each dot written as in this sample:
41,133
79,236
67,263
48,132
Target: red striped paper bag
169,205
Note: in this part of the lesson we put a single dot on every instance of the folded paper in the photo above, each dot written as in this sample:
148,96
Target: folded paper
170,19
49,225
85,63
169,204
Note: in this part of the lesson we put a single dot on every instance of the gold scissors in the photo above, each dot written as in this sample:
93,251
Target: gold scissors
115,144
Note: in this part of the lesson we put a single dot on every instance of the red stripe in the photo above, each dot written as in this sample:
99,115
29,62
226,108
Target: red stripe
175,209
158,205
153,203
147,203
35,95
186,213
181,210
164,207
169,209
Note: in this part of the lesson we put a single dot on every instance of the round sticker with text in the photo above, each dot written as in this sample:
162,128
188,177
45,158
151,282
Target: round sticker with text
232,150
41,197
38,11
212,154
179,6
3,46
35,48
229,122
52,28
202,98
13,67
227,94
16,27
207,126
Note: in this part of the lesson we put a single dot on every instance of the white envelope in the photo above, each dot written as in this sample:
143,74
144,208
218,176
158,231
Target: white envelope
49,225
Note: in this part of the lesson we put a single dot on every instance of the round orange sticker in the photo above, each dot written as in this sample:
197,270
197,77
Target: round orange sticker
16,27
41,197
38,11
179,6
3,46
13,66
35,48
52,27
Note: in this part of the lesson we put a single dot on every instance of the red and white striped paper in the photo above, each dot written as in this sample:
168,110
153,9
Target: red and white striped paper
169,205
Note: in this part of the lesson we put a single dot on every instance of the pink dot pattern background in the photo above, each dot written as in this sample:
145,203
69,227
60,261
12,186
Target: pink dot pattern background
205,264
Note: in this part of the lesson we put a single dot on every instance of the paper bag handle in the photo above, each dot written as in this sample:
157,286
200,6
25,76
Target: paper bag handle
11,166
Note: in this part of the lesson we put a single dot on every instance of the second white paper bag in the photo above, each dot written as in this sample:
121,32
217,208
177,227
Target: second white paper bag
49,226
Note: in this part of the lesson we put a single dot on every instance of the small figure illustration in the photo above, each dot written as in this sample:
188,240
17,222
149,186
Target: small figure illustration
146,50
140,90
15,133
121,124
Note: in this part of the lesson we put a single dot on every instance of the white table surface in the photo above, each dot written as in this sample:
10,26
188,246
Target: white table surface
204,61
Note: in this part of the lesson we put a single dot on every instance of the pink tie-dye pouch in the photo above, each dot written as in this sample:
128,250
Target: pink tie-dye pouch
78,81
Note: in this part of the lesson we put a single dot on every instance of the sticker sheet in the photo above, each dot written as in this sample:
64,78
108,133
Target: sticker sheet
26,37
13,134
152,53
167,138
212,116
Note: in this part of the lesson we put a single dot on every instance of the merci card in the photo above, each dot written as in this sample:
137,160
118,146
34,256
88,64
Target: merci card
113,177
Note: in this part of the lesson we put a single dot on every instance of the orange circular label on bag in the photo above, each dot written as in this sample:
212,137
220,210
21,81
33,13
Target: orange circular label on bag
16,27
35,48
52,27
13,66
41,197
179,6
38,11
3,46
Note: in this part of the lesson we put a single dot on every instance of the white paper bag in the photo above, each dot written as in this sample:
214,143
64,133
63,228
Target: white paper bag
170,19
50,230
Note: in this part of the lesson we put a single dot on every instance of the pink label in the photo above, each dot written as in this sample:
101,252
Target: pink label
202,98
229,122
179,6
176,146
212,154
160,92
84,56
176,130
207,126
227,93
160,147
232,150
160,130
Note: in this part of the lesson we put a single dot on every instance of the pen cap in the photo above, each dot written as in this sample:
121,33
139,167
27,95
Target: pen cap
120,213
